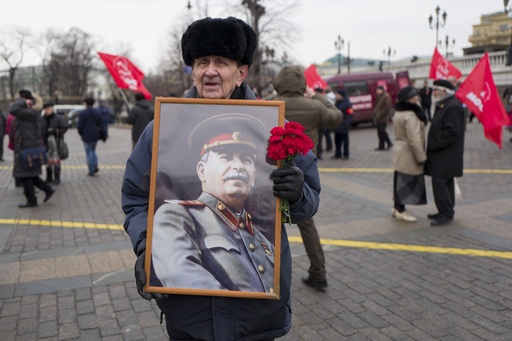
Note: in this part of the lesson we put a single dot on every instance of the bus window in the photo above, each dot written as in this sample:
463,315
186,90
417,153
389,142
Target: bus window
356,88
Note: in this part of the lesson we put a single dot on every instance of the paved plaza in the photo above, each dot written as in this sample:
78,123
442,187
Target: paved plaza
66,267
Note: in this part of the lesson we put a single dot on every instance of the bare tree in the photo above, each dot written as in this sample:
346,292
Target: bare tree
13,46
74,58
275,36
46,45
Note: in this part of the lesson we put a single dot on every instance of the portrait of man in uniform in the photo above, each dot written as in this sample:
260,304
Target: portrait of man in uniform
213,242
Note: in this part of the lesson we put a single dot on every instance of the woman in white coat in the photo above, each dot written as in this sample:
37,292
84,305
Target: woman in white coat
409,154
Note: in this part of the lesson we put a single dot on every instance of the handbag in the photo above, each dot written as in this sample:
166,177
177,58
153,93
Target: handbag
33,157
103,133
63,149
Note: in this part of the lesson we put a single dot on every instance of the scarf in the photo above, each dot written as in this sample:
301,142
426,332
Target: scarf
403,106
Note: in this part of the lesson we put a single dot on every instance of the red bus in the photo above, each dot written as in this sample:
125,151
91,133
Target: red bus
362,90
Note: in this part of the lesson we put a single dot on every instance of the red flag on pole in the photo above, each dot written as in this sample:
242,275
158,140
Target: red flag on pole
480,95
125,73
441,68
313,79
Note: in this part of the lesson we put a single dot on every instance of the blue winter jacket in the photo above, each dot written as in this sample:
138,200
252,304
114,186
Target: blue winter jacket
88,125
207,317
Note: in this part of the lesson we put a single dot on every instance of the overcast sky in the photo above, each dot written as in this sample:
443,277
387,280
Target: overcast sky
370,25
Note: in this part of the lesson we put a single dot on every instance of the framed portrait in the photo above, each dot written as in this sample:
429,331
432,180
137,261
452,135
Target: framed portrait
214,226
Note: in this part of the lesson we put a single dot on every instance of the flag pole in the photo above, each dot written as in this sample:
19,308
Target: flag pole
124,98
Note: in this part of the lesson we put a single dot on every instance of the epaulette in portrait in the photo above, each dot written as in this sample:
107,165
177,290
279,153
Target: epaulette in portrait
186,202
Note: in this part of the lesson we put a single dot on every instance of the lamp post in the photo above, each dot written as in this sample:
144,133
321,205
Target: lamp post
437,24
338,45
447,44
389,53
509,51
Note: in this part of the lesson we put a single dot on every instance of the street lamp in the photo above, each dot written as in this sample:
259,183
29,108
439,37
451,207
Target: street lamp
509,51
431,19
389,53
338,45
447,44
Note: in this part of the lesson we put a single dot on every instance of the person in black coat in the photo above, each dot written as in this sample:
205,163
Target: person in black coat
53,128
3,129
426,99
341,138
445,149
139,116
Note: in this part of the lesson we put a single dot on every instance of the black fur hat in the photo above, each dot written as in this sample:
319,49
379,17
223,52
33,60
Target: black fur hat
26,94
231,38
406,93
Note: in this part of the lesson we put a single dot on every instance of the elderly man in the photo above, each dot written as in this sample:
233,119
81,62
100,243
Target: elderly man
220,52
212,242
445,149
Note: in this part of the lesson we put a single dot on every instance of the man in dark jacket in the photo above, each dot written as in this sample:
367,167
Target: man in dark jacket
313,111
139,117
341,138
445,149
53,128
426,99
220,52
28,135
382,114
3,130
90,126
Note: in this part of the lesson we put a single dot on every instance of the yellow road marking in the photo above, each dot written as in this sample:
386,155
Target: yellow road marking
322,170
75,167
57,223
389,170
410,248
291,239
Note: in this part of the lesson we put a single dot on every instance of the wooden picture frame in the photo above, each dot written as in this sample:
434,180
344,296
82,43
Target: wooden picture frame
208,160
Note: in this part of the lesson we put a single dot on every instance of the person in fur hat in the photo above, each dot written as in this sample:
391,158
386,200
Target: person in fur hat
445,150
220,53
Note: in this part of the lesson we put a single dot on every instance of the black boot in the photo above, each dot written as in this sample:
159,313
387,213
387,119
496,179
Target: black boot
28,204
57,175
49,175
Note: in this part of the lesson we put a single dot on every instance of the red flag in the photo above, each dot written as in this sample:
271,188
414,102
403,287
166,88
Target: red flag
480,95
125,73
313,79
441,68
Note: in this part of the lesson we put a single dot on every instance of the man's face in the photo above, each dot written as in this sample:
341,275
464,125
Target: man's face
216,77
228,175
438,92
48,111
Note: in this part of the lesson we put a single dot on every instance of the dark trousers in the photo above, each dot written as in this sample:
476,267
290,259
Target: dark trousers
328,140
314,250
1,146
383,135
426,109
444,196
341,141
29,185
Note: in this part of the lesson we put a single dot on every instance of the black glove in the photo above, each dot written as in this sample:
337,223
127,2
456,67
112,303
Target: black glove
140,276
288,183
140,279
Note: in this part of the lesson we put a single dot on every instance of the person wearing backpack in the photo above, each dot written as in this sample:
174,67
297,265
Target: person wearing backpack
139,116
